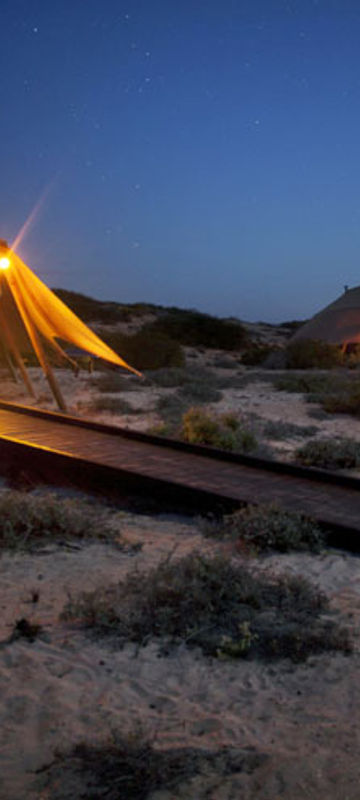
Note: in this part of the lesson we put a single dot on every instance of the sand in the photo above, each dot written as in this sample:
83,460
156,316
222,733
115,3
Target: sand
63,688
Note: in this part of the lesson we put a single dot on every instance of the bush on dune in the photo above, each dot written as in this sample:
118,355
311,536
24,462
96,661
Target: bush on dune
209,603
195,329
311,354
265,528
330,454
28,520
129,767
226,432
145,351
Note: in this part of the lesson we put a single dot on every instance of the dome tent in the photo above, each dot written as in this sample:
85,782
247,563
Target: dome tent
338,323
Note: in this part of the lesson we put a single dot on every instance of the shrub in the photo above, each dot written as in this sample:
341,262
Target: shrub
145,350
224,362
171,407
90,309
199,427
114,382
277,429
219,607
200,392
330,453
343,402
28,520
195,329
315,385
168,377
256,354
310,354
115,405
130,768
265,528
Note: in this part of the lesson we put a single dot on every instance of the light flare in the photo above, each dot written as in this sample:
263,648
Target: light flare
33,214
5,262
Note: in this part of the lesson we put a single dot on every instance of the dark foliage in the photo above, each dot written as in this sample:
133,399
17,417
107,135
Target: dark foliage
330,454
195,329
225,610
265,528
310,354
145,351
131,769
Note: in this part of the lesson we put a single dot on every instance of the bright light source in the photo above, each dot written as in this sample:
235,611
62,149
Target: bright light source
4,262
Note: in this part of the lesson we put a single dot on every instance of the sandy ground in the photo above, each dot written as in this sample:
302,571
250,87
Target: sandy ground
63,688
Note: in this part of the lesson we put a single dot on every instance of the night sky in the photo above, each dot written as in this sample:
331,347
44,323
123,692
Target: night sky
197,154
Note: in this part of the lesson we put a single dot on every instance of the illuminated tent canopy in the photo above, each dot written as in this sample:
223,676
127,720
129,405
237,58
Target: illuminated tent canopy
338,323
30,312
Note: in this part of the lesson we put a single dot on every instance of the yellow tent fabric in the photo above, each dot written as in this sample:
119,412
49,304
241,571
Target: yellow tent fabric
52,317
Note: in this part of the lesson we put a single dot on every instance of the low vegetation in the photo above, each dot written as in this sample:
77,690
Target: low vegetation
224,432
145,350
255,354
28,521
337,394
316,385
313,354
111,382
265,528
130,768
200,392
91,310
114,405
195,329
345,401
225,610
277,429
330,454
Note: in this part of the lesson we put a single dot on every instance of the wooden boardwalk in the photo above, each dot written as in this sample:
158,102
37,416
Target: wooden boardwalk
36,437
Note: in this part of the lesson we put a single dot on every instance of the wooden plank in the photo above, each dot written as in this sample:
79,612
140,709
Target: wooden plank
330,503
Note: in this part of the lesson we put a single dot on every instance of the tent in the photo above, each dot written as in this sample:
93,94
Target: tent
338,323
30,313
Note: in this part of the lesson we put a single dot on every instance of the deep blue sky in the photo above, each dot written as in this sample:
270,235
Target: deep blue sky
196,153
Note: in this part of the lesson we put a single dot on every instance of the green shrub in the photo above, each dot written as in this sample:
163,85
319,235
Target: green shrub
267,527
144,350
200,392
224,362
130,768
90,310
171,407
315,385
28,520
115,405
310,354
200,427
277,429
195,329
168,377
114,382
343,402
209,603
330,454
256,354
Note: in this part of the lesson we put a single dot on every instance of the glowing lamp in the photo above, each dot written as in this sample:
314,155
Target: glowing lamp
5,262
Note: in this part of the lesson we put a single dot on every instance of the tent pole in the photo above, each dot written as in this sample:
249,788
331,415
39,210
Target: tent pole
13,349
36,343
9,363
